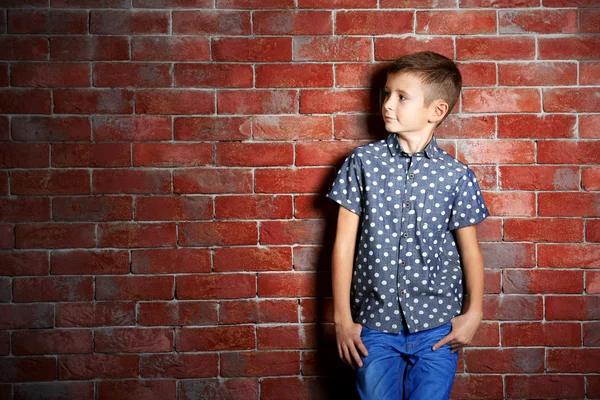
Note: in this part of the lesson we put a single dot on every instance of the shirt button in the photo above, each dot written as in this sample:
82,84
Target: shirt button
407,204
405,235
411,176
403,292
401,262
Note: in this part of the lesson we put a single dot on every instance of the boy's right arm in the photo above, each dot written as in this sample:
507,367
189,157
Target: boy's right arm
347,332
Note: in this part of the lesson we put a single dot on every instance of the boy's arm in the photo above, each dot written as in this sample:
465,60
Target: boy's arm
473,266
342,263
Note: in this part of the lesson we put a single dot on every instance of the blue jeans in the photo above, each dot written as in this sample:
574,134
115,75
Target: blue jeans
403,366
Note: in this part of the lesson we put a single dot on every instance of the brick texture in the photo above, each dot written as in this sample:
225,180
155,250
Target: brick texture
163,165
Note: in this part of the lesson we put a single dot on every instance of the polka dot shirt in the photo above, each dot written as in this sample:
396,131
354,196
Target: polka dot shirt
407,266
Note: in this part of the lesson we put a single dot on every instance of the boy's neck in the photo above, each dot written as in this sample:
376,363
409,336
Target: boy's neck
413,142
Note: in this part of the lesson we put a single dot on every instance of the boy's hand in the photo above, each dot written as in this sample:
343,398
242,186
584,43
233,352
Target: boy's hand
464,327
348,340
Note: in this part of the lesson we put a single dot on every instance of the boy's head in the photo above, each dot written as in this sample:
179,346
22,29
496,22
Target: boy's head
429,80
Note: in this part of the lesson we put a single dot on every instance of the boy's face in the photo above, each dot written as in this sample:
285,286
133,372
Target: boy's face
403,108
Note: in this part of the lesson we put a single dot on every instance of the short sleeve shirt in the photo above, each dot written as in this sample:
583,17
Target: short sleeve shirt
406,260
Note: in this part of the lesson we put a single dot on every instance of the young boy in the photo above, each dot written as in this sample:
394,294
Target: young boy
398,296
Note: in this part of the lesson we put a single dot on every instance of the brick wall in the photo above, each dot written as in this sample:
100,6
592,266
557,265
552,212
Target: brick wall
163,165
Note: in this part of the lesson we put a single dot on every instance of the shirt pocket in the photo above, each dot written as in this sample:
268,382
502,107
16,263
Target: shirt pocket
437,210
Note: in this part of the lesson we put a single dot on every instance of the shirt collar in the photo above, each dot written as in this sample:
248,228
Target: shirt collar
395,147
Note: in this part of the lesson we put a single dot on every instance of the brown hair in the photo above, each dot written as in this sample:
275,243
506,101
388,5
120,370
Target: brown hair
439,75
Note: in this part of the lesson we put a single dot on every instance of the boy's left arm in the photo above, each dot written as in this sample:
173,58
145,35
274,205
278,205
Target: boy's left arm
465,325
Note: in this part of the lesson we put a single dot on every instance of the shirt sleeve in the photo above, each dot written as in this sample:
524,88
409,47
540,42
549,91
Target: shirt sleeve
347,189
468,208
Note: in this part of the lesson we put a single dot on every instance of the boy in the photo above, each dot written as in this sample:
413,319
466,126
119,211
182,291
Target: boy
398,299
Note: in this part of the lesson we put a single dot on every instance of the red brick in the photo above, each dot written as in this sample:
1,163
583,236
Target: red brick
373,22
569,152
511,203
537,74
538,21
290,284
163,261
252,4
322,153
131,128
24,263
137,390
27,369
50,129
50,289
98,366
497,151
133,340
290,180
392,48
550,334
329,48
92,208
253,207
589,73
257,102
254,154
363,75
125,22
569,3
120,181
23,48
569,255
592,230
50,182
572,308
590,178
212,128
23,209
213,75
232,388
456,22
174,101
94,155
180,366
212,180
477,73
589,126
94,101
260,363
16,101
255,49
88,48
513,307
165,48
593,386
292,232
173,208
216,338
591,334
51,341
26,316
172,154
291,127
132,74
43,74
97,313
569,48
592,280
292,22
217,233
252,259
477,386
589,20
303,388
500,3
337,3
211,22
88,4
55,21
178,313
539,177
501,100
545,386
525,360
70,390
287,337
542,281
215,286
24,155
569,100
262,311
134,288
569,204
337,100
543,230
127,234
294,75
90,262
573,360
536,127
495,48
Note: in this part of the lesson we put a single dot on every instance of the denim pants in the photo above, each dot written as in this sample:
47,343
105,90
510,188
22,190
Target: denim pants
403,366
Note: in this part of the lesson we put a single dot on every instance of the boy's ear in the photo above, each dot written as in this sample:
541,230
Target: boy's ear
438,109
